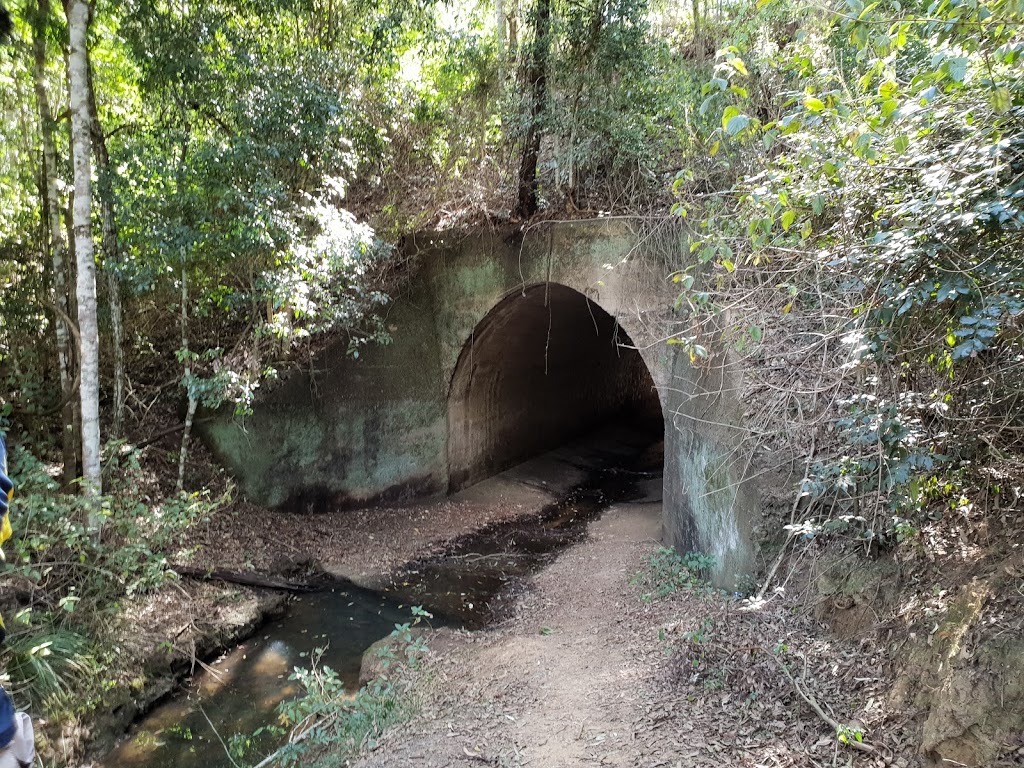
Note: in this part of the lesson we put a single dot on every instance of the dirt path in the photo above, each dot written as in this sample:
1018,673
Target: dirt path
565,682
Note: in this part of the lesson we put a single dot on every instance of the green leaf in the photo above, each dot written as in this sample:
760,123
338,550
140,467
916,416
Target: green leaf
813,104
956,67
1001,99
900,144
887,89
730,112
737,124
737,64
787,220
706,104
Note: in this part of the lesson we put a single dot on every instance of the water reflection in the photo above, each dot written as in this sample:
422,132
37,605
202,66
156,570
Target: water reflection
240,692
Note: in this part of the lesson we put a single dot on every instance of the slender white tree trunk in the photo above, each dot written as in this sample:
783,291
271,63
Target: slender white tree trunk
499,21
58,251
111,255
89,336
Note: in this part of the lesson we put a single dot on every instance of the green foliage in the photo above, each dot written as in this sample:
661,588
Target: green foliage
328,726
45,663
846,733
668,572
878,203
89,554
83,561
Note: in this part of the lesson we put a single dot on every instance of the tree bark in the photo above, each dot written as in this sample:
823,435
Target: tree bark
117,334
536,82
193,402
246,579
499,20
698,38
513,28
111,256
78,13
56,247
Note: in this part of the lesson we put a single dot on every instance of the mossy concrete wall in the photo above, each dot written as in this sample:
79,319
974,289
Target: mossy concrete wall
354,431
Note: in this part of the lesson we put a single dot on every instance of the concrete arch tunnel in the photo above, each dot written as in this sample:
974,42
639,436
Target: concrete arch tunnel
544,366
508,342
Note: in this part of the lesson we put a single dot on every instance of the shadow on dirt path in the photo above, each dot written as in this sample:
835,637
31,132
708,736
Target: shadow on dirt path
562,682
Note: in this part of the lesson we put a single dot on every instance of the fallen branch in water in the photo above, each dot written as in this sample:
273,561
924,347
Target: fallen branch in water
245,579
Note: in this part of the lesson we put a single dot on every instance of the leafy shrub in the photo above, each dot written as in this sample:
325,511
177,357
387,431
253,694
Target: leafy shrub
47,664
877,201
668,572
327,726
79,560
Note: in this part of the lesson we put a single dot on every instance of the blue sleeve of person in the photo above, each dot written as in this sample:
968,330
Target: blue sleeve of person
6,488
8,727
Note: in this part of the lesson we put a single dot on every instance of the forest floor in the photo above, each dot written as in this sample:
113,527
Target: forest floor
591,667
587,672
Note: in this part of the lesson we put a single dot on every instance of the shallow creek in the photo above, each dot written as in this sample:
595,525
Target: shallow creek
469,585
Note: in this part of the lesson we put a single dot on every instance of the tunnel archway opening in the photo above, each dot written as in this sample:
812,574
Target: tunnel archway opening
545,366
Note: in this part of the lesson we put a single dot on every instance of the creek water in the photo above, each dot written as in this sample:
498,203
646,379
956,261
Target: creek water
471,584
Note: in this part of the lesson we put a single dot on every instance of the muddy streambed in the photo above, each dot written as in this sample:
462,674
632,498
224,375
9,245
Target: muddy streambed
469,585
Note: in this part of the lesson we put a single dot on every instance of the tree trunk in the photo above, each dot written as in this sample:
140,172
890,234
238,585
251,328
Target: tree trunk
499,20
117,333
187,378
111,255
536,82
88,326
698,39
513,28
56,247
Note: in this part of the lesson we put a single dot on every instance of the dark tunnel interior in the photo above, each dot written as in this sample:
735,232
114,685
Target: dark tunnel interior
545,366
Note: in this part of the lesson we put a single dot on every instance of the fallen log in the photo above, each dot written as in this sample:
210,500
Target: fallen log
245,579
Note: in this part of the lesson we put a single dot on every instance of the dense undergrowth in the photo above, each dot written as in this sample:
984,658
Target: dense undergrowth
867,273
864,274
73,568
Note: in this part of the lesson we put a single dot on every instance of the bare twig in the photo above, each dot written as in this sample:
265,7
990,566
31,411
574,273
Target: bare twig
836,726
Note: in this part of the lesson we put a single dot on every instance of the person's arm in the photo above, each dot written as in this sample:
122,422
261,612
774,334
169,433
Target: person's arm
6,489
